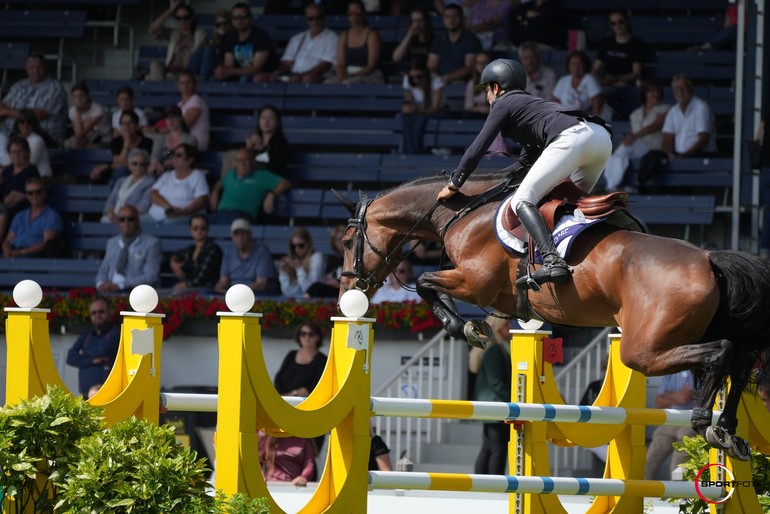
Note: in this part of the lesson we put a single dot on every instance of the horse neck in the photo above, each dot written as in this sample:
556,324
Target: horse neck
404,212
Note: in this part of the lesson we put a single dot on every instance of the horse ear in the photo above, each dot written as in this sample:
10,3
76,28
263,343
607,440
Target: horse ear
344,200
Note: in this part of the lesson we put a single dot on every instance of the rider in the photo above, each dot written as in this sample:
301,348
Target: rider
556,144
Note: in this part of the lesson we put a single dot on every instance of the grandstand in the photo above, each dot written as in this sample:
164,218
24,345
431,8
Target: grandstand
343,136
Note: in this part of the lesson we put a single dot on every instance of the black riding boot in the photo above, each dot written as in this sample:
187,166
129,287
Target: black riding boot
554,268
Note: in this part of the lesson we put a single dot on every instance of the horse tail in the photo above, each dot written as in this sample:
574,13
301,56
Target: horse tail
744,281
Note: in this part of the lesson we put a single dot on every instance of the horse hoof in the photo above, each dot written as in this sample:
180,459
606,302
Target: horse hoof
477,333
718,437
739,449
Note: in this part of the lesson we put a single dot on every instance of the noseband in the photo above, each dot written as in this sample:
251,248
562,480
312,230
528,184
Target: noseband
359,223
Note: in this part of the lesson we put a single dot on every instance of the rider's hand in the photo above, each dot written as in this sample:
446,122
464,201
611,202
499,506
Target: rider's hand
446,193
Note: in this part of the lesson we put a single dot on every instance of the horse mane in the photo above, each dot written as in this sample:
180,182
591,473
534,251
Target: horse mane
440,179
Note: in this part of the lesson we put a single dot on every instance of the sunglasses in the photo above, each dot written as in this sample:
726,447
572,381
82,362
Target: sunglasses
313,18
34,192
199,227
124,219
298,245
306,333
240,16
137,163
183,18
180,155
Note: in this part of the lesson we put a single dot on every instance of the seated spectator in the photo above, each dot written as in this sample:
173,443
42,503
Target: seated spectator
309,55
539,21
130,137
418,38
28,127
578,89
124,99
689,128
476,104
195,111
301,369
132,257
13,180
182,40
358,50
541,79
268,144
452,54
246,262
620,56
197,266
287,459
646,124
379,454
301,267
180,192
244,192
41,93
204,59
489,20
35,230
90,126
248,49
329,287
423,99
175,133
398,287
726,37
132,190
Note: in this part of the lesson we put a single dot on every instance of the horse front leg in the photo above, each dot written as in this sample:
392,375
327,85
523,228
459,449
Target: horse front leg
433,288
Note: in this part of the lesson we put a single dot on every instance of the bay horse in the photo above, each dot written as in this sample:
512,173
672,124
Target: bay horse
679,307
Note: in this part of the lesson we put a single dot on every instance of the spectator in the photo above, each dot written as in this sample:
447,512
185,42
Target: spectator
248,49
287,459
500,326
476,104
301,369
131,258
689,128
764,180
309,55
132,190
27,127
244,192
726,37
197,266
489,20
182,41
418,38
423,99
90,126
620,56
195,111
493,384
538,20
35,230
330,286
398,287
358,50
94,352
646,124
301,266
246,262
130,137
676,391
13,180
268,143
5,159
180,192
541,79
579,90
452,54
41,93
175,133
207,57
125,100
379,454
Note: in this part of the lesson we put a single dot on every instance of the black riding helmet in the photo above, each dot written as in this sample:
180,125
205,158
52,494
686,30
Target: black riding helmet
507,73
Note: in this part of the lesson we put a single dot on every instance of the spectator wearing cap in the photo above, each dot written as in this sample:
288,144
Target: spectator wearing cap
246,262
175,133
131,258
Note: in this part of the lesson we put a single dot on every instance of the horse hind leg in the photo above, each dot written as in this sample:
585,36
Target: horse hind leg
728,420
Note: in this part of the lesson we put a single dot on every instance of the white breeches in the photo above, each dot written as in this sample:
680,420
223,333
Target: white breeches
579,153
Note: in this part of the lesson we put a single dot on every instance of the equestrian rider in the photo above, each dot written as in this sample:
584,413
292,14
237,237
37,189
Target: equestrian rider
556,145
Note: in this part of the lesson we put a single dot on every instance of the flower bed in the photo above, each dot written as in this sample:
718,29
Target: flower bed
71,309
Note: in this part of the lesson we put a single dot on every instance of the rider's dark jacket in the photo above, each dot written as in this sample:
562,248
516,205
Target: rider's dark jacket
530,121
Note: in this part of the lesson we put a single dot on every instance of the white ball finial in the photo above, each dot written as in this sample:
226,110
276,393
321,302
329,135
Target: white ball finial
143,299
239,298
27,294
354,303
533,324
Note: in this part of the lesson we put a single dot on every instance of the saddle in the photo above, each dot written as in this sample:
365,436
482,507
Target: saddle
566,198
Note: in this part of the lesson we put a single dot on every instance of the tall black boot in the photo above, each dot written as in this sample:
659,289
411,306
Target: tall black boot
554,268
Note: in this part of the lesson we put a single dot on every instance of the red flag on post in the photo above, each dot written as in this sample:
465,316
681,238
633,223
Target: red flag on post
552,350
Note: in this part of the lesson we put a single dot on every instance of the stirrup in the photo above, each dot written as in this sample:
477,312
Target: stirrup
542,275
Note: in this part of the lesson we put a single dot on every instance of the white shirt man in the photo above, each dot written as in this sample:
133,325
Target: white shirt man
309,55
689,128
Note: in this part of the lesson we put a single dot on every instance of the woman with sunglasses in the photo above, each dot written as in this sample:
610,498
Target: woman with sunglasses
620,57
302,369
182,40
197,266
28,127
301,267
131,190
12,181
207,57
